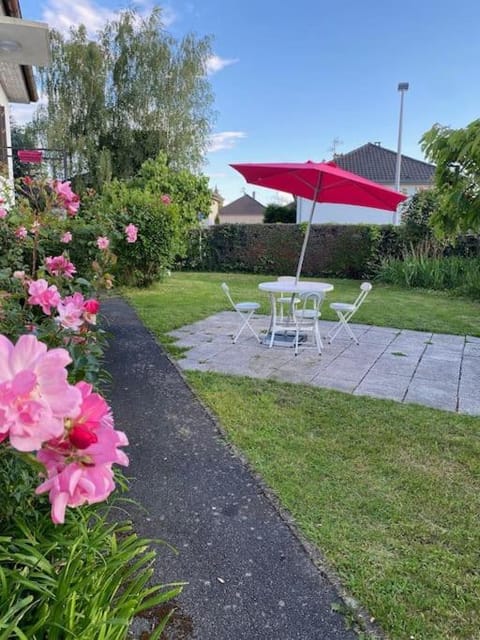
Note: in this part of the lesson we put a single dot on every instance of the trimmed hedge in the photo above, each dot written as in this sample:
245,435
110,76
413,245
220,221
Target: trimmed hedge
351,251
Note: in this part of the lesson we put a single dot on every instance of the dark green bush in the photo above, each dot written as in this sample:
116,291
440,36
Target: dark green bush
278,213
333,250
416,215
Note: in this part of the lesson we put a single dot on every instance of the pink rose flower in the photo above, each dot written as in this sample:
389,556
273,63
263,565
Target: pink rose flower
34,392
91,305
91,308
19,275
73,206
79,466
70,312
66,237
131,232
103,242
60,266
21,233
166,199
66,197
3,213
42,294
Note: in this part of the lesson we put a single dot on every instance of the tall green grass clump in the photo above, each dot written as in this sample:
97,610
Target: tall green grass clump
86,579
425,267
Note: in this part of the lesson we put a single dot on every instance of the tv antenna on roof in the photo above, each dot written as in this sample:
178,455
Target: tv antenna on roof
336,142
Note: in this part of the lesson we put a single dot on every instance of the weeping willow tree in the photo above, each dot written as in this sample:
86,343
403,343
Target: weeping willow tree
128,95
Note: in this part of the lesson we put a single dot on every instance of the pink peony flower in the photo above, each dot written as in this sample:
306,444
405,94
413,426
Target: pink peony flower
60,266
19,275
166,199
103,242
21,233
66,237
131,232
79,466
43,295
70,312
3,213
34,392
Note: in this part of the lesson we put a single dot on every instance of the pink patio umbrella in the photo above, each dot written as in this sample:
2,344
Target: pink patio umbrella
319,182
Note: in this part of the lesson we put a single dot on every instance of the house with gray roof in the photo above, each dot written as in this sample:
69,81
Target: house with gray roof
244,210
376,163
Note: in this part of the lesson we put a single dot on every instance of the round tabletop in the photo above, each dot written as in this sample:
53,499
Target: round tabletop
294,287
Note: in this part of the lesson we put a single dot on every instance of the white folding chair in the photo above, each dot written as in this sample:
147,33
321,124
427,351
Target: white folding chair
245,310
346,311
307,318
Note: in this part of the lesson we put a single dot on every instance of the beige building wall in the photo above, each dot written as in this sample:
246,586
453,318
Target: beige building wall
241,219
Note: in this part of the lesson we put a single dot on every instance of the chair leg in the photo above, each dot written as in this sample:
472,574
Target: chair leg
318,339
350,333
246,323
342,324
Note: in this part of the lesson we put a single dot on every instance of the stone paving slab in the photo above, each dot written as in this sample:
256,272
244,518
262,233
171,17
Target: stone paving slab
436,370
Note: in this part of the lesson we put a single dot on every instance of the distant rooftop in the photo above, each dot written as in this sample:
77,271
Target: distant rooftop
244,206
376,163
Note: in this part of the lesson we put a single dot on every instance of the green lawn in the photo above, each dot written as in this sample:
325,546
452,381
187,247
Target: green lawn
186,297
390,493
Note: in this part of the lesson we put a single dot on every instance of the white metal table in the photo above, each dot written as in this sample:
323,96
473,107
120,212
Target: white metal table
291,287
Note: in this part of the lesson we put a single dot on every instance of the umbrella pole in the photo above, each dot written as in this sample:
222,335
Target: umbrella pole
307,232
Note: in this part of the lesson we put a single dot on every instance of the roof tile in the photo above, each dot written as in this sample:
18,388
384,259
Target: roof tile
376,163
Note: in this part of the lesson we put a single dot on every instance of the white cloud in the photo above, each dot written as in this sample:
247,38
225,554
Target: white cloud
23,113
61,15
216,63
224,140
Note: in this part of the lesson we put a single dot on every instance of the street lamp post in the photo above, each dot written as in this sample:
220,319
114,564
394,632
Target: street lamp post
402,87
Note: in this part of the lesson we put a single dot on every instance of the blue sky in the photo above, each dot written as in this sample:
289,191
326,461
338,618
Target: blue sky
290,77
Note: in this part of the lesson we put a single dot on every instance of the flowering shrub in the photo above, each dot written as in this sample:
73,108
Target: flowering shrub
143,233
50,351
58,444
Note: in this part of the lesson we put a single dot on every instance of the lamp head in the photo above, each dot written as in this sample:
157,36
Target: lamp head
403,86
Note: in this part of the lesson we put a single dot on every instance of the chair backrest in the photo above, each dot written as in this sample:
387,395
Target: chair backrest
311,301
365,289
226,291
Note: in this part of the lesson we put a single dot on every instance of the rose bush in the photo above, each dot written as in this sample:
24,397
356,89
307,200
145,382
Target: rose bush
59,448
51,349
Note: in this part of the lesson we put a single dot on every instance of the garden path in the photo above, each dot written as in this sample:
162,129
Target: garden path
249,577
436,370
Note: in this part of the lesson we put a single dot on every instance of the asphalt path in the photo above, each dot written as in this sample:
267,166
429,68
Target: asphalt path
249,577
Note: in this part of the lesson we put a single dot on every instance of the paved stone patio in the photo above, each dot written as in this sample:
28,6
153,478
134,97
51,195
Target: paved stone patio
436,370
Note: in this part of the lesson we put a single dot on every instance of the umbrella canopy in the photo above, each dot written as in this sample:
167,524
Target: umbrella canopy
320,182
